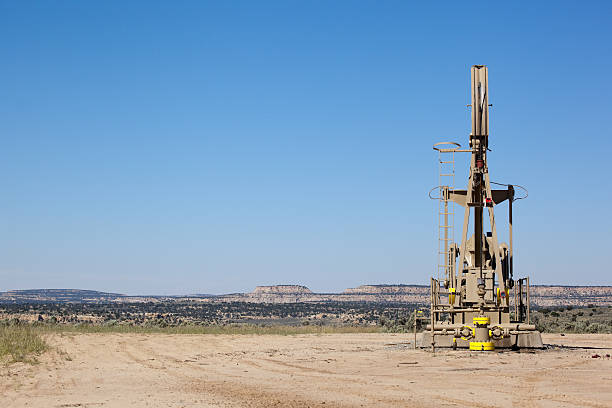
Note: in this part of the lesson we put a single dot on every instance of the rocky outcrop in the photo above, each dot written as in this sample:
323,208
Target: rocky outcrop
386,290
277,294
282,290
542,296
545,295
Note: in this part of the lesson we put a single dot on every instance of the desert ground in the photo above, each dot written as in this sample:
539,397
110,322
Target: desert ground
331,370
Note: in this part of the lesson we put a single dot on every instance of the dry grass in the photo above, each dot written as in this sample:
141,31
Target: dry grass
20,343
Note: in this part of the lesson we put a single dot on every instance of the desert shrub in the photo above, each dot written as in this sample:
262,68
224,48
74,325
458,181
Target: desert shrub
598,328
398,324
581,327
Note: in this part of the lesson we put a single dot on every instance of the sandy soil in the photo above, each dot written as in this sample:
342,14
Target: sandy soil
343,370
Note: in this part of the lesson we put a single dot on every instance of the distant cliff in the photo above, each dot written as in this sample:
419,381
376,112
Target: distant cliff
541,295
544,295
282,289
413,294
386,290
271,294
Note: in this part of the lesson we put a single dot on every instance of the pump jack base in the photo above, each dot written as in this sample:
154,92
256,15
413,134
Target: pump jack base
521,340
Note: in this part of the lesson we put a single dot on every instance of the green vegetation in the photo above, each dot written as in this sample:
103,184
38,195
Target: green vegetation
20,343
177,313
400,323
573,320
189,317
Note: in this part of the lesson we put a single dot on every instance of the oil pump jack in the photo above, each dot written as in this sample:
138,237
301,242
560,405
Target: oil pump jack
470,297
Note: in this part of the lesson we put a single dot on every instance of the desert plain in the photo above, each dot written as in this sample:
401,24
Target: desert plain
327,370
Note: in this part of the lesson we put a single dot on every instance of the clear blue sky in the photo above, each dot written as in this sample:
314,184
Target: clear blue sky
200,147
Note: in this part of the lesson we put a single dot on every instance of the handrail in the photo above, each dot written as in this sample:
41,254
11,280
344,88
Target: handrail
434,198
448,150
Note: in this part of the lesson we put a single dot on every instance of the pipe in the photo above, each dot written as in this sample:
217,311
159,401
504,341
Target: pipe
510,326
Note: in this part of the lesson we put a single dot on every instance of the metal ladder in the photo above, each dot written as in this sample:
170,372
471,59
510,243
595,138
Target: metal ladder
446,212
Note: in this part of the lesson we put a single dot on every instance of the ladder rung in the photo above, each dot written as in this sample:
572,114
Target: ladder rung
447,175
447,162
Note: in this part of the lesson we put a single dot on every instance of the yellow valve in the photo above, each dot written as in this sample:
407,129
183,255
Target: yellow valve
499,330
482,346
498,296
471,329
451,296
482,320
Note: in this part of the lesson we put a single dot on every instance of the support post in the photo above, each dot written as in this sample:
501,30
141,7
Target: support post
415,323
511,251
528,303
431,315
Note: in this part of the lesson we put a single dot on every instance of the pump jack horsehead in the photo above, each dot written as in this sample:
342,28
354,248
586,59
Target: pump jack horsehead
470,297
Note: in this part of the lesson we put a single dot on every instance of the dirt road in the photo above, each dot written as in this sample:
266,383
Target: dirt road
340,370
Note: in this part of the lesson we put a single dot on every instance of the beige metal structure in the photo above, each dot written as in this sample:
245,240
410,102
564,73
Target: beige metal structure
470,298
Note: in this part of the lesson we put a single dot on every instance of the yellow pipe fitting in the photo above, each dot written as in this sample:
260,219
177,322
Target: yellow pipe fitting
482,346
482,320
451,296
473,333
